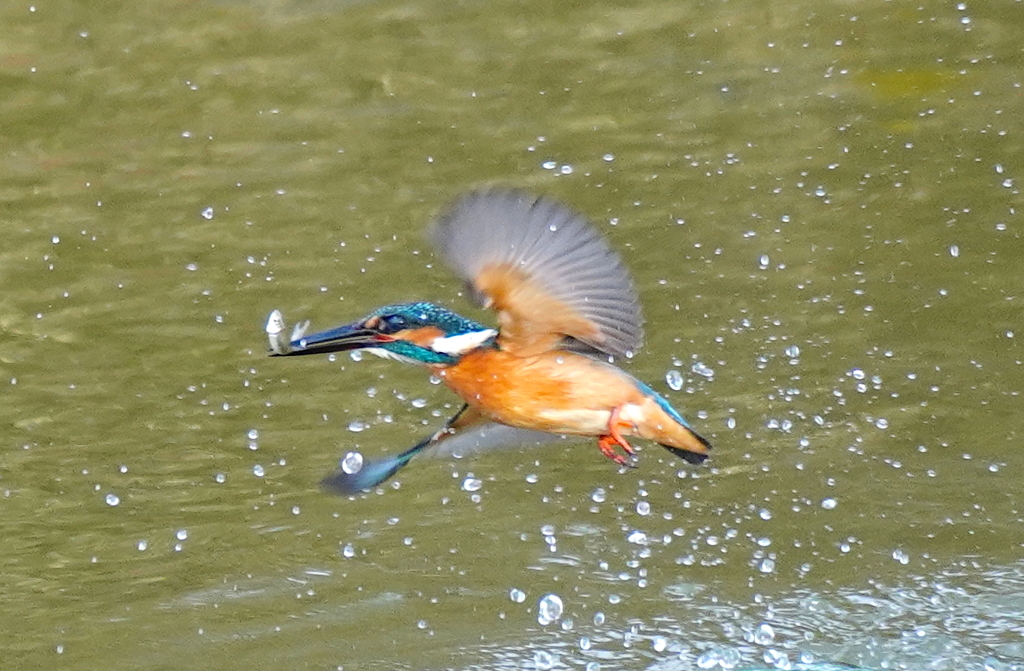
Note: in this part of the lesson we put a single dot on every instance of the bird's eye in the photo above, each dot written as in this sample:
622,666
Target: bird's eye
393,323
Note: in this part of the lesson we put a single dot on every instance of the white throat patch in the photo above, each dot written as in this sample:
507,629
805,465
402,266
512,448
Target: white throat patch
457,345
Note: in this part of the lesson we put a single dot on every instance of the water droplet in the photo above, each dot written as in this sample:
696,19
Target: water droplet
257,470
348,551
767,566
112,499
993,664
763,262
356,426
598,618
609,157
207,213
517,595
764,634
674,379
660,644
549,609
142,545
352,463
704,370
253,434
792,351
901,556
643,508
543,660
219,478
709,659
828,504
729,658
765,514
954,251
471,484
637,537
181,534
599,495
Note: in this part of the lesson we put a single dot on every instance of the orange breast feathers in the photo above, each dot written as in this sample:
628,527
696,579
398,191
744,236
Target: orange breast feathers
555,391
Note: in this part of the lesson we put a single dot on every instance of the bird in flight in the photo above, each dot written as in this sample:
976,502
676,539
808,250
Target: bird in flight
566,309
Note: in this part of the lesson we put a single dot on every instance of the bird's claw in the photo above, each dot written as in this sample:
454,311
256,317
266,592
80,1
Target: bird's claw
608,445
613,438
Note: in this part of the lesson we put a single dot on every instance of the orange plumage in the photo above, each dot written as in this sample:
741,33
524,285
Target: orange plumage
564,393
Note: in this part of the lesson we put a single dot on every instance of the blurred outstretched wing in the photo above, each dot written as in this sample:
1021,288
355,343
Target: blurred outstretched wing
466,433
544,269
470,432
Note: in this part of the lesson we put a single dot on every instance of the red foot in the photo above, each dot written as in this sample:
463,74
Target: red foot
608,442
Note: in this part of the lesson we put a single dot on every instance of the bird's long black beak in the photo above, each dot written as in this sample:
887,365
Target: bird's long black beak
342,338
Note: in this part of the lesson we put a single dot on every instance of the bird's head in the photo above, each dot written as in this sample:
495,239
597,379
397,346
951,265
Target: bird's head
421,333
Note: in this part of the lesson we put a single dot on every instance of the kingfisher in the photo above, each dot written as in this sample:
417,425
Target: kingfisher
566,310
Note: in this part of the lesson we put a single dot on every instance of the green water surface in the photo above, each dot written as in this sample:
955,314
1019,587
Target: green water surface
819,202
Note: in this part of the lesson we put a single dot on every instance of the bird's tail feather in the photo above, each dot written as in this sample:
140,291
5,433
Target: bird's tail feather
686,455
689,456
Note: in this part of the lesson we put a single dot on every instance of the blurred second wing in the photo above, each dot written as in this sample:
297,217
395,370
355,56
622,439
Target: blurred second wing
544,269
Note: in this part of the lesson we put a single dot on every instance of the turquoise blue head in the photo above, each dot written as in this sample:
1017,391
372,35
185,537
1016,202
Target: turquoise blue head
418,332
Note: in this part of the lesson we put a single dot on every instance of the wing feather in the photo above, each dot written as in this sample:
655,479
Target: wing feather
486,437
544,269
470,432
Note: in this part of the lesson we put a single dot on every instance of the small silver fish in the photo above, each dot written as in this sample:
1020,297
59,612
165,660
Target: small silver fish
276,327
